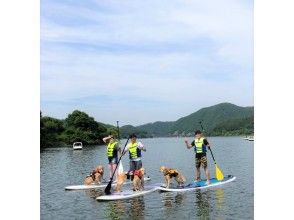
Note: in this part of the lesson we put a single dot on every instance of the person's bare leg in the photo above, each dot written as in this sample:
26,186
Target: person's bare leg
113,168
197,173
110,170
207,174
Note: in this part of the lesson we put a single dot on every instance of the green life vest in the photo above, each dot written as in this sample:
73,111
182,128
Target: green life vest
134,151
199,145
111,152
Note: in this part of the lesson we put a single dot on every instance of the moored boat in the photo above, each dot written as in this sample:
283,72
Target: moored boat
77,146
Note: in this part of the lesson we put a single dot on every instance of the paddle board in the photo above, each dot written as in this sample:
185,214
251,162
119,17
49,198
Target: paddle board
126,194
95,186
198,185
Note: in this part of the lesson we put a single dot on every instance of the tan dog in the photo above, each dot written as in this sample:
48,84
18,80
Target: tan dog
169,173
120,179
138,181
95,176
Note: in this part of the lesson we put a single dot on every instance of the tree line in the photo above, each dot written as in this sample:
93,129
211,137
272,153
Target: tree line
78,126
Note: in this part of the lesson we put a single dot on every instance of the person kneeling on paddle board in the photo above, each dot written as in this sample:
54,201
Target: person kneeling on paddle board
112,153
134,149
200,144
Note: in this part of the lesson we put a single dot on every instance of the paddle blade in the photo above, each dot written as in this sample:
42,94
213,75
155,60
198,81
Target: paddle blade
218,173
108,188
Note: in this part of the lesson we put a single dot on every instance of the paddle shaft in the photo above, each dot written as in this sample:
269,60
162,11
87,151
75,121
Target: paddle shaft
118,131
212,155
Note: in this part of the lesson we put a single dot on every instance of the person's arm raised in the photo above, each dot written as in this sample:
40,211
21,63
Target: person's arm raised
187,144
106,138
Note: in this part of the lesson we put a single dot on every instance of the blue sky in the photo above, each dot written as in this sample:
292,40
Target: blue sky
144,61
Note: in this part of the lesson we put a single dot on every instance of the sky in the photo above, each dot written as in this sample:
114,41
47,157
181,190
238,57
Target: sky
144,61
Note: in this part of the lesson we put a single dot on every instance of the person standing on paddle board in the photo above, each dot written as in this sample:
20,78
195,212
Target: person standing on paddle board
200,143
112,153
135,155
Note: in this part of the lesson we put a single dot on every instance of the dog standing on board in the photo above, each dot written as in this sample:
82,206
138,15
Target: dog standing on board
120,179
169,173
138,181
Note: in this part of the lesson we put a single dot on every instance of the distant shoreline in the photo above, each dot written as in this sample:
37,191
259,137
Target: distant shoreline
124,139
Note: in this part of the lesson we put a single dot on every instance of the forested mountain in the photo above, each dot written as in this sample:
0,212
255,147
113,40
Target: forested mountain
212,118
222,119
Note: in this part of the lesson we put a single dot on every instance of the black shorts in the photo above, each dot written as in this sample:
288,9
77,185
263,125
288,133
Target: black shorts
135,165
112,160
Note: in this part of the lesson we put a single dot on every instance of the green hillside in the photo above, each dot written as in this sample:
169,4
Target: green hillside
210,117
237,126
157,129
220,119
126,130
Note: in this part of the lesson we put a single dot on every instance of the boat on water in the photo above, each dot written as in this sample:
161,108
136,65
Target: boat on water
77,146
250,139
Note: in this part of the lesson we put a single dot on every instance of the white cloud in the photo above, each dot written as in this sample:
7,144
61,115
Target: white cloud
187,53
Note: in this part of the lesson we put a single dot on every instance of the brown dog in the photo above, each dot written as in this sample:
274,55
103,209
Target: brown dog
95,176
120,179
169,173
138,181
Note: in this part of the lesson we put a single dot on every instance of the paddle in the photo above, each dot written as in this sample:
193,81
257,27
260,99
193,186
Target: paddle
108,187
120,166
218,173
118,131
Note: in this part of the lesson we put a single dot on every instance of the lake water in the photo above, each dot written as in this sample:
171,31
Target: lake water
63,166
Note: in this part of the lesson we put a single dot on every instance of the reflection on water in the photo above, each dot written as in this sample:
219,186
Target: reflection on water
172,202
115,210
202,204
92,193
179,198
220,197
137,208
133,209
220,203
208,201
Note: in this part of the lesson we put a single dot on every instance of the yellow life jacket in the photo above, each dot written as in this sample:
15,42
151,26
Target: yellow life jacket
111,152
134,151
172,172
199,145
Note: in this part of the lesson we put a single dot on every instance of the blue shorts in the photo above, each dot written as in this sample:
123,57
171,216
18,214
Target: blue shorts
112,160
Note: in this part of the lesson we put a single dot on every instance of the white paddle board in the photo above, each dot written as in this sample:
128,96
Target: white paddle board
96,186
126,194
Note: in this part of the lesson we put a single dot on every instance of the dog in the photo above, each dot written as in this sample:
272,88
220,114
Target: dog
95,176
169,173
137,178
120,179
138,181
